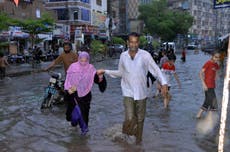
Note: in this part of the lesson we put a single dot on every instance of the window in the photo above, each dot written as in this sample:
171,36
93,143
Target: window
98,2
62,14
85,14
75,15
85,1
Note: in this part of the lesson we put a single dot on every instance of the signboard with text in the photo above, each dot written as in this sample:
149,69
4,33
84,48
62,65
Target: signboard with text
221,3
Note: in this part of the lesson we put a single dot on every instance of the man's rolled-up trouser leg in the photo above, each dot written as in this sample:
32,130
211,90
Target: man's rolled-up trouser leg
140,111
129,124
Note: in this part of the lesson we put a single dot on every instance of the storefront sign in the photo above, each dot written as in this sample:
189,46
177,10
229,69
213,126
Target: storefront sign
85,29
221,3
16,31
78,33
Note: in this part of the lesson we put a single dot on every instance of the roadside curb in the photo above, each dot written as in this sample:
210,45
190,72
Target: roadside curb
27,71
30,70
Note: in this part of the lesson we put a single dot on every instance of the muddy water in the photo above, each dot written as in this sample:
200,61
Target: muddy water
24,127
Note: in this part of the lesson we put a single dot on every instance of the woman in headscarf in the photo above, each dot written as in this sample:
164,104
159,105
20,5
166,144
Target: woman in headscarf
79,81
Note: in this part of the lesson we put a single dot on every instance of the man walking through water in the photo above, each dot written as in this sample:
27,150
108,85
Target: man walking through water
133,67
66,58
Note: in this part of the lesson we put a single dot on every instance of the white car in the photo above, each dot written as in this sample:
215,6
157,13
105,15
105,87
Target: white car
170,45
191,47
116,49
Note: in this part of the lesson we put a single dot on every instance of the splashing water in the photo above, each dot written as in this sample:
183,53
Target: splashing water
207,124
115,134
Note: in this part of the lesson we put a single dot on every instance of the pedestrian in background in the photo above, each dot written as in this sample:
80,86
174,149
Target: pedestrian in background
3,64
133,67
66,58
163,59
208,75
171,53
79,81
169,70
183,55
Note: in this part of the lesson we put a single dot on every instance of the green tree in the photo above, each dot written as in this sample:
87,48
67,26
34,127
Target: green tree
5,21
35,27
118,40
143,41
97,46
161,21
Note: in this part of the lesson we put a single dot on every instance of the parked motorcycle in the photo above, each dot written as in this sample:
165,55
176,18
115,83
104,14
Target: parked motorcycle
54,92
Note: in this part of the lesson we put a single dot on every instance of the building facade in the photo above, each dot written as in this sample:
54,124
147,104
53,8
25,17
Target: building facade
209,23
125,15
98,15
81,19
116,10
26,9
70,15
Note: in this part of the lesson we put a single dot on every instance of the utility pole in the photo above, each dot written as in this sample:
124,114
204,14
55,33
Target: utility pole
110,21
67,28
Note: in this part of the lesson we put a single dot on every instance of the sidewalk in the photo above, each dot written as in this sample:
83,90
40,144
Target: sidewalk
23,69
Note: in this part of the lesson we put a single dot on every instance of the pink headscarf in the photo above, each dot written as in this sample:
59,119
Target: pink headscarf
80,75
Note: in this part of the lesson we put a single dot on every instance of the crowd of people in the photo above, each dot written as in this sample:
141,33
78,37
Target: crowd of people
134,66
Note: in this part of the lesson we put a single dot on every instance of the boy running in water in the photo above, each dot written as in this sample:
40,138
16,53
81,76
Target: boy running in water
208,77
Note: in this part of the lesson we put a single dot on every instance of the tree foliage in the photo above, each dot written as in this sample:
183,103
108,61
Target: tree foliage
31,26
97,46
161,21
143,41
6,21
35,27
118,40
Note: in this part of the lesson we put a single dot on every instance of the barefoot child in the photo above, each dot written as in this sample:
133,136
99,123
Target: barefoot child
168,68
208,77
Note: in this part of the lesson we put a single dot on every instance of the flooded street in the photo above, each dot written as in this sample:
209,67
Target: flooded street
25,128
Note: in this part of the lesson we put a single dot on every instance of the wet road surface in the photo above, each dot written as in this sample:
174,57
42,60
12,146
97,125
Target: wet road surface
24,127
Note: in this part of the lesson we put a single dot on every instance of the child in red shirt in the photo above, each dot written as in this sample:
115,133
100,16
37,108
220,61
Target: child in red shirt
208,77
169,70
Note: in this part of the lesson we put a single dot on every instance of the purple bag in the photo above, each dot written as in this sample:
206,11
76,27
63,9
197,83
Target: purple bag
77,118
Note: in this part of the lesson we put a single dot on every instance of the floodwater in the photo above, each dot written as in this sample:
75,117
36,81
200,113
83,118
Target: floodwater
25,128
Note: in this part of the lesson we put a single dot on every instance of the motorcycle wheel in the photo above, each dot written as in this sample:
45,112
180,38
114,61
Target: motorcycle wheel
59,100
47,102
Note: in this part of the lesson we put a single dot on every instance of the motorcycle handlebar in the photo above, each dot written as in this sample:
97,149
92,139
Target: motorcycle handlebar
56,75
